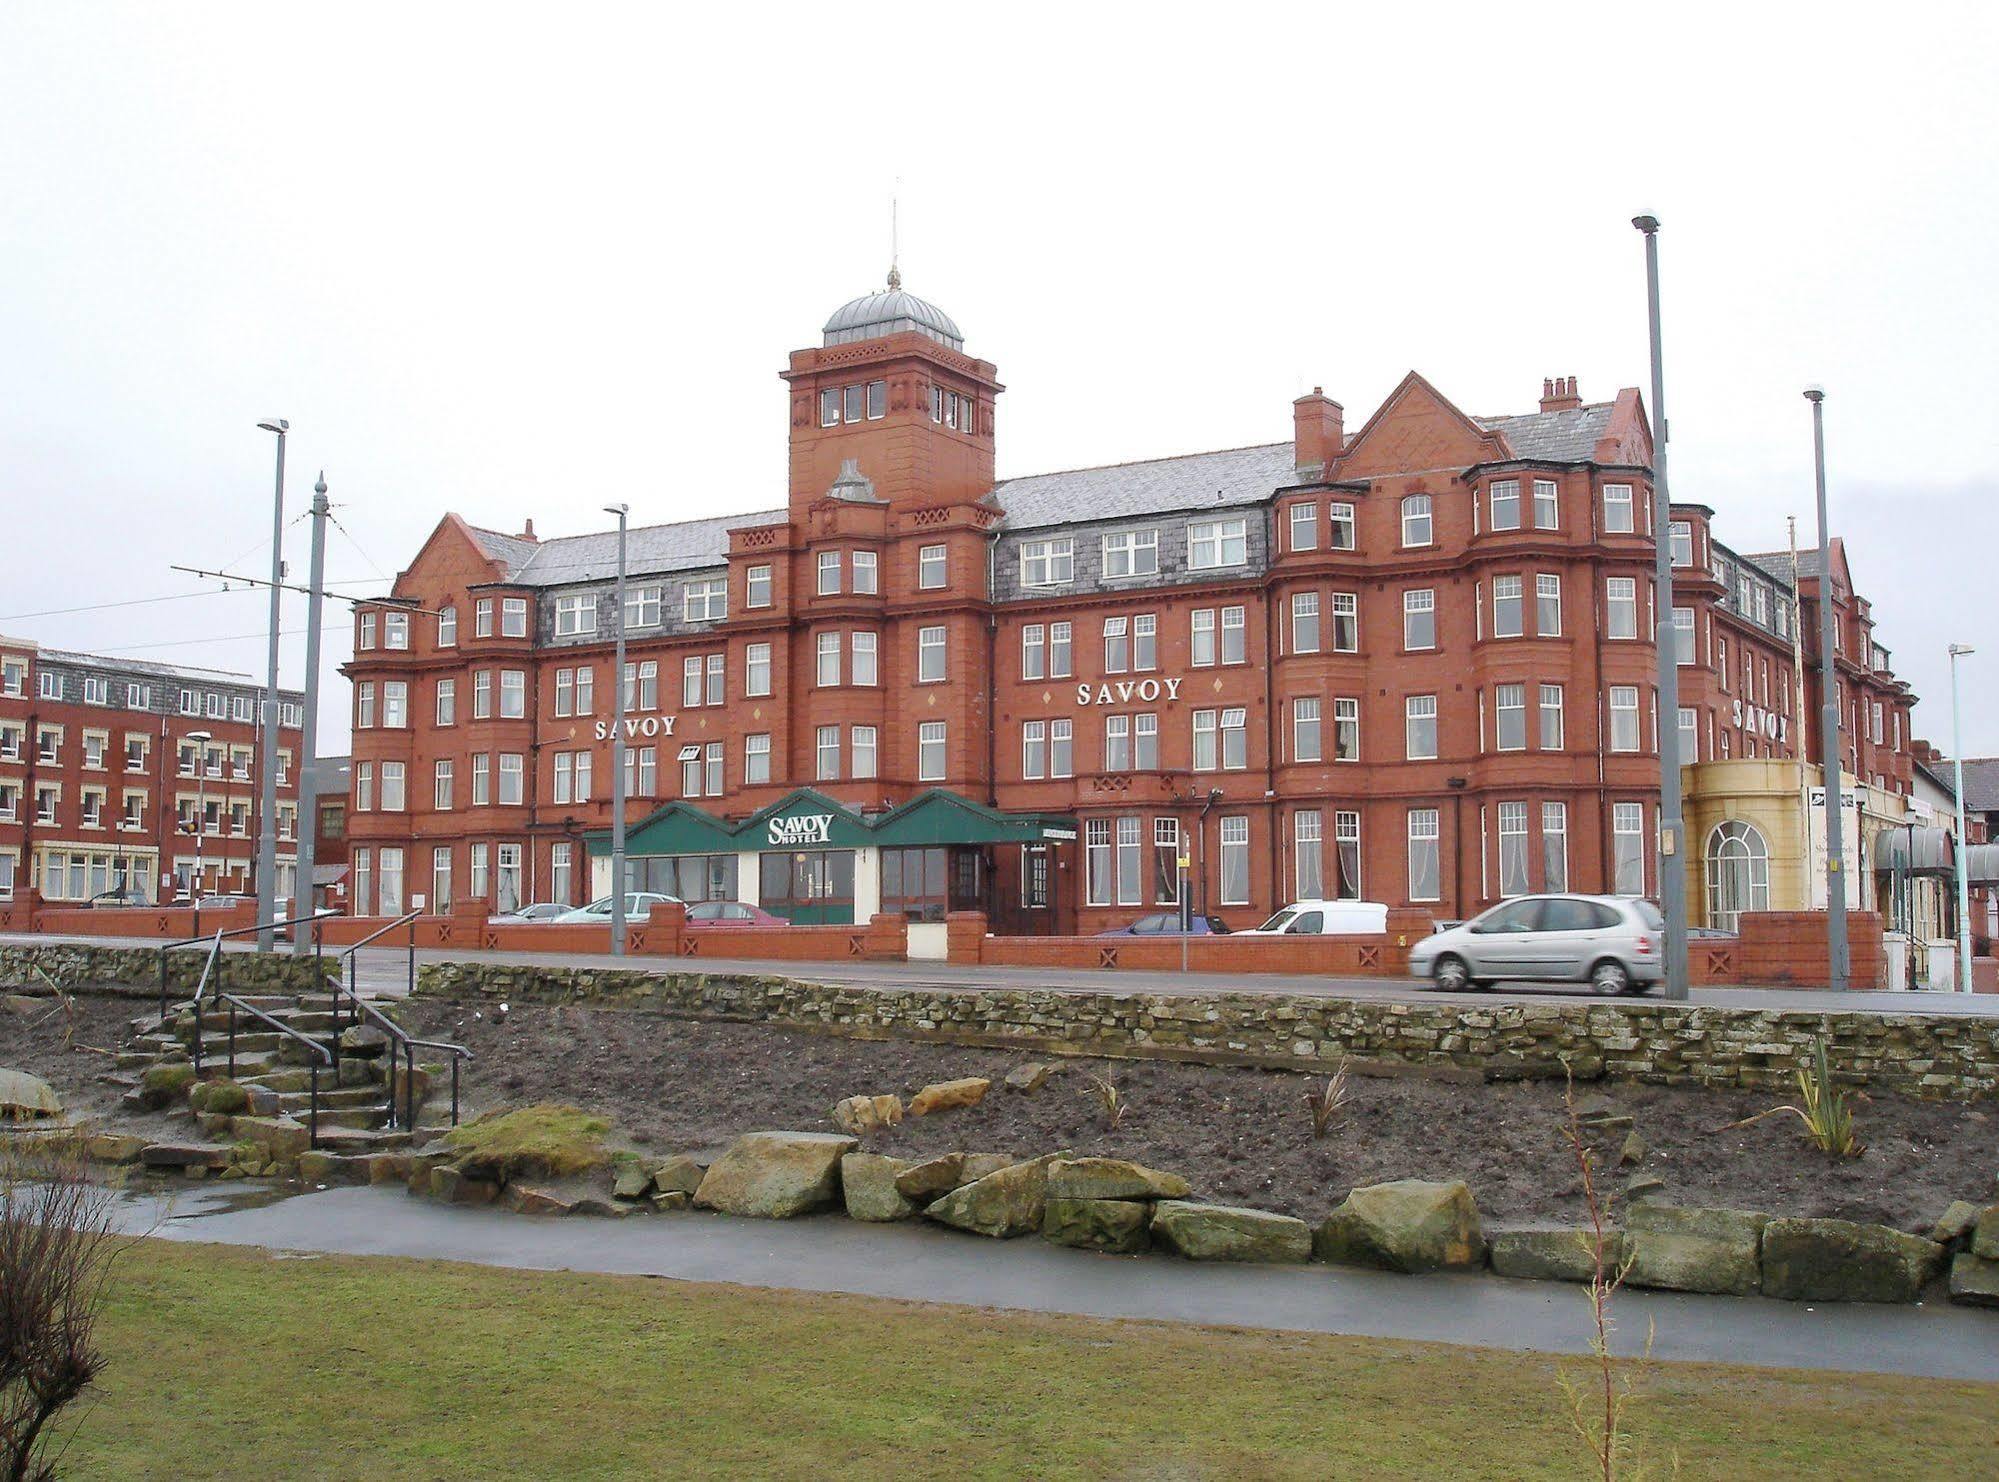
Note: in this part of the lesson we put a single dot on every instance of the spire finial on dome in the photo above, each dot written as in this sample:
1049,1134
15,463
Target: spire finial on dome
894,276
895,237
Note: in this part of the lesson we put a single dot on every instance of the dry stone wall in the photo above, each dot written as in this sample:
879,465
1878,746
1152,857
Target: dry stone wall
1935,1056
74,964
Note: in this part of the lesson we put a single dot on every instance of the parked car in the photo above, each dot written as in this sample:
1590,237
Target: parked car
539,911
1610,942
123,895
1167,924
1325,919
638,906
731,913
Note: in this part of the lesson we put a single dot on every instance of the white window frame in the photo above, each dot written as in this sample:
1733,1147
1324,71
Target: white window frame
1214,545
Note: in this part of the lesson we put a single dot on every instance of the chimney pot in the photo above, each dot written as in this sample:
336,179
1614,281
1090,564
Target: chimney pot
1558,394
1318,431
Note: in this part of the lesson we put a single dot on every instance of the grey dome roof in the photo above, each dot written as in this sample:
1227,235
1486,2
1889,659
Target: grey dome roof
891,311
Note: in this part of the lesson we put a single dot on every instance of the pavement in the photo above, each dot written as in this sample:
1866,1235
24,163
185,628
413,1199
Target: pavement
384,972
920,1262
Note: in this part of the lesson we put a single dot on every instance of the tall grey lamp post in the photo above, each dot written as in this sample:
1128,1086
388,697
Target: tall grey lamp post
308,744
267,825
1835,844
1672,825
623,512
1958,651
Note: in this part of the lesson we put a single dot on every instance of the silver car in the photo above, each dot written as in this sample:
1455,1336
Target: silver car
1610,942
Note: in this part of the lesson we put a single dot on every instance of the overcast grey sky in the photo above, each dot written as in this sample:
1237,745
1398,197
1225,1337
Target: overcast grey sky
521,262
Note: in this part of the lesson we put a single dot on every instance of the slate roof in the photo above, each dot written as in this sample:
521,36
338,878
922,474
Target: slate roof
1981,783
1560,437
685,545
1779,564
1228,479
154,670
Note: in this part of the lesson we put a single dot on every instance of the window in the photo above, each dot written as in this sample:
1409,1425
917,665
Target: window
10,807
1145,743
11,742
576,613
1235,860
513,617
1305,744
1234,631
690,771
829,407
1131,553
865,669
364,786
1624,717
1617,518
447,627
1308,853
477,872
1547,505
1207,756
1419,727
138,697
852,398
1145,641
1048,563
1097,861
46,798
827,751
482,618
1235,740
1507,617
1062,748
1551,717
930,751
931,568
1060,648
1683,634
644,607
96,690
829,573
1117,743
13,677
1166,861
706,600
440,878
756,669
135,753
1203,642
396,704
1513,849
1681,536
366,640
364,881
1346,622
756,758
1130,861
510,779
1548,605
1304,527
1627,822
1346,730
134,818
95,743
1213,543
641,771
364,705
394,799
1690,735
1033,651
440,786
865,748
1339,527
1510,705
929,656
1506,504
507,878
756,586
828,652
1117,645
447,701
867,572
482,693
1425,872
565,772
1419,619
1621,595
93,807
1033,749
690,680
1416,527
513,694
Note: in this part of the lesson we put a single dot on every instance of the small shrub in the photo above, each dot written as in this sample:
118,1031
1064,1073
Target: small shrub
1110,1100
1825,1108
1328,1104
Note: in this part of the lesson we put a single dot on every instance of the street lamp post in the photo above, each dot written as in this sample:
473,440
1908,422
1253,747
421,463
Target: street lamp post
1672,824
1958,651
267,824
1835,848
305,845
623,512
200,740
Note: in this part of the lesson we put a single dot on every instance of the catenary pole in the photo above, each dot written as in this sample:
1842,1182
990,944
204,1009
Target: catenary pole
1958,651
308,786
1672,825
267,823
623,512
1835,848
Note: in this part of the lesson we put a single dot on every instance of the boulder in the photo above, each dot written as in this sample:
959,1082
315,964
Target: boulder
1029,1077
679,1174
1985,1234
451,1186
924,1181
631,1181
114,1147
363,1040
184,1155
1807,1260
262,1101
1408,1225
523,1199
281,1137
1641,1186
949,1095
1004,1204
163,1085
1694,1250
223,1097
1955,1223
775,1175
672,1199
977,1165
597,1206
867,1183
1220,1232
23,1096
859,1114
1111,1178
1633,1152
1120,1225
1974,1281
317,1168
1553,1254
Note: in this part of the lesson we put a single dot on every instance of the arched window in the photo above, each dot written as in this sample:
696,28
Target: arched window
1738,874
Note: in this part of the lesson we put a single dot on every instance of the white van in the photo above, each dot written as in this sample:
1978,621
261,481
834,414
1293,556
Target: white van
1325,919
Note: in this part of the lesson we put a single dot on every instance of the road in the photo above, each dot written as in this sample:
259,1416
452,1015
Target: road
384,972
921,1262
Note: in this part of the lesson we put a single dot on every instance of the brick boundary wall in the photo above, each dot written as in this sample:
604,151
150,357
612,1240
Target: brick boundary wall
75,964
1937,1057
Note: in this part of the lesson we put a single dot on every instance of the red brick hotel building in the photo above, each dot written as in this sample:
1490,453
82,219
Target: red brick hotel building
1409,661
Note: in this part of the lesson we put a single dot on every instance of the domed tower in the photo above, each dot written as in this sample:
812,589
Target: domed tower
890,409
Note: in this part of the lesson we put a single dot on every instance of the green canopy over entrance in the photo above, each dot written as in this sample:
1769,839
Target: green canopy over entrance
806,818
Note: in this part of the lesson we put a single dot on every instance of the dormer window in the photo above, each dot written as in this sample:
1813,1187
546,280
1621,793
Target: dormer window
1212,543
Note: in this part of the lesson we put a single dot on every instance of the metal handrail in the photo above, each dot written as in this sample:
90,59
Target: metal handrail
216,947
319,1051
401,1044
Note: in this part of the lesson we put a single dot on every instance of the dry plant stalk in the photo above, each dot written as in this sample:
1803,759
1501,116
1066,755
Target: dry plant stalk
56,1249
1109,1100
1329,1102
1826,1109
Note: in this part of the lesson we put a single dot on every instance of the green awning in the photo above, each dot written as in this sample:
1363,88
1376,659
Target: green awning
806,818
941,817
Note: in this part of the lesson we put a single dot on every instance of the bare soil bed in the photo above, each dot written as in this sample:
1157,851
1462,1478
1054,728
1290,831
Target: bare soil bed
62,1044
1239,1135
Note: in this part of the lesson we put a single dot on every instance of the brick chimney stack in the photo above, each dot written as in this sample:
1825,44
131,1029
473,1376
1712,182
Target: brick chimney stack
527,532
1319,434
1559,394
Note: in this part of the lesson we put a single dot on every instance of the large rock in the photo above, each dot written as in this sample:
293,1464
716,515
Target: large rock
1985,1235
1111,1178
859,1114
1955,1223
163,1085
925,1181
219,1096
1409,1225
1973,1281
114,1147
680,1174
23,1096
1694,1250
1553,1254
1120,1225
1029,1077
1840,1261
281,1137
977,1165
630,1180
1004,1205
1221,1232
949,1095
775,1175
867,1183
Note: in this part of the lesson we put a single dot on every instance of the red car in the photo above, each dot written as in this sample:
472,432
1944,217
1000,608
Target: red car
731,913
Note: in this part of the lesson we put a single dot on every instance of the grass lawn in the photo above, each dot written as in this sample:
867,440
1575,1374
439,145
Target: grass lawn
236,1363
